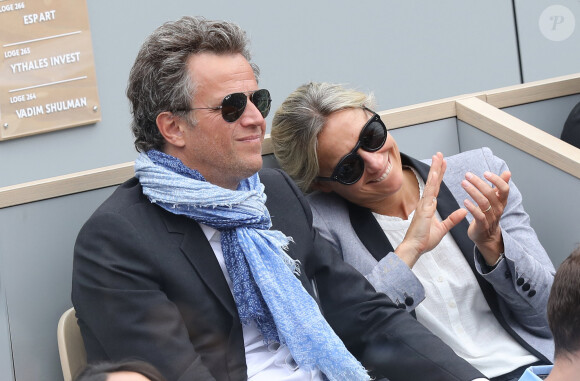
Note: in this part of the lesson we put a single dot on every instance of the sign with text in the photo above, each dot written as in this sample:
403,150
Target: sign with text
48,79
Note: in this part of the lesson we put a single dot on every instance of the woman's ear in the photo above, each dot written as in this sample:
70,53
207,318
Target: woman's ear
171,127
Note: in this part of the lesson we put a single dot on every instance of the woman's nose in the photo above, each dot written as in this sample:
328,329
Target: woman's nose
373,160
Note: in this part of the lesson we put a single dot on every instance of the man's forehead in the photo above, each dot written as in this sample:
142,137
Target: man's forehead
218,75
214,69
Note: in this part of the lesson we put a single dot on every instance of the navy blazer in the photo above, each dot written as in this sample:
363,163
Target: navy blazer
146,284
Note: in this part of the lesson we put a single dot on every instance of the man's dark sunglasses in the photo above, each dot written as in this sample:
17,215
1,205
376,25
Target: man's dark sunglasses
350,168
233,105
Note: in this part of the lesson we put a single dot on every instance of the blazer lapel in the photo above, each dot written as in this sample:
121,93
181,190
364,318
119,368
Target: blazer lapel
369,231
198,251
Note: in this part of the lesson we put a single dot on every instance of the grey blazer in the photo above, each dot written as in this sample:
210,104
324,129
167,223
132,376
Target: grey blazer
516,290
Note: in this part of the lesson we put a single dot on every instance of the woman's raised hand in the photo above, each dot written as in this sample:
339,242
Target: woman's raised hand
490,202
426,231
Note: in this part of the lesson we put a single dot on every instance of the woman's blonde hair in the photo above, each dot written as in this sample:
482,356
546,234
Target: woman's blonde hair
300,119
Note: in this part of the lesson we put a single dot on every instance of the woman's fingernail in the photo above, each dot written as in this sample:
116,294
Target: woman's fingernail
468,175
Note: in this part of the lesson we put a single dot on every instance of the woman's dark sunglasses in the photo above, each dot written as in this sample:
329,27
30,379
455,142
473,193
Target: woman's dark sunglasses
350,168
233,105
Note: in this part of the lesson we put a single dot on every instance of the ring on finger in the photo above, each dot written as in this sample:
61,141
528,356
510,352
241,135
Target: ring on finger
488,209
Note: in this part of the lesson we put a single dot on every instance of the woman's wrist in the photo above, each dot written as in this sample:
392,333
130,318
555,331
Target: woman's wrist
407,255
492,254
492,251
501,256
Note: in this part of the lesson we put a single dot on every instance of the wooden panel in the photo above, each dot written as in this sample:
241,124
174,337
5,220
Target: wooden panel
534,91
520,134
267,147
423,112
63,185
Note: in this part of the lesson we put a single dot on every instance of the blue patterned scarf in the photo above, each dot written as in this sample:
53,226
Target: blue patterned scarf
264,286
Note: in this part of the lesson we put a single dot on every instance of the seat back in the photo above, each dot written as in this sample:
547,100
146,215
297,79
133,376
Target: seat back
71,348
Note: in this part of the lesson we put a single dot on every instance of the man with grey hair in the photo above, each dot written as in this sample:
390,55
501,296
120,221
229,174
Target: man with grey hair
211,271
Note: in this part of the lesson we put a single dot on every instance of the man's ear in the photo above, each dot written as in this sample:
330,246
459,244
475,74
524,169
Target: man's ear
171,127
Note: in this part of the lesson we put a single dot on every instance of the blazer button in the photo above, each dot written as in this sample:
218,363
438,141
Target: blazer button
409,301
531,293
526,287
520,281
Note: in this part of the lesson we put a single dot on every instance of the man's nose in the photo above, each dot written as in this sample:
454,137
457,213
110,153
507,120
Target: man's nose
251,115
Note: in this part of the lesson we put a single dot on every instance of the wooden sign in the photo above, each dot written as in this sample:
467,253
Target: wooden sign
48,79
